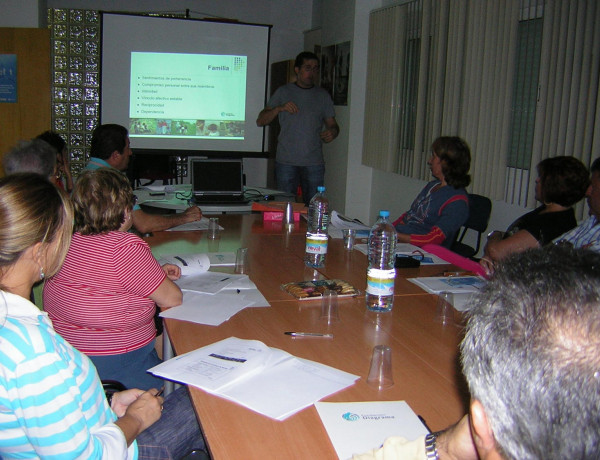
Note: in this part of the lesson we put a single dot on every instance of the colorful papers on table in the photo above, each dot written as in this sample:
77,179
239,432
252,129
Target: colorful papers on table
266,380
358,427
455,284
275,210
310,290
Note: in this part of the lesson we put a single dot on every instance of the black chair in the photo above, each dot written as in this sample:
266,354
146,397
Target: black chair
152,167
480,209
111,387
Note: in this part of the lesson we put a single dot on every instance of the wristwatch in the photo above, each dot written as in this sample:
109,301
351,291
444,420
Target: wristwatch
431,447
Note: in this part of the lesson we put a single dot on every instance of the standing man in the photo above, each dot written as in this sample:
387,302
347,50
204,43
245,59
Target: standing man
307,119
110,149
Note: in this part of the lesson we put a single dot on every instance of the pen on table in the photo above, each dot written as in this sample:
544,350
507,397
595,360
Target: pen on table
224,279
309,334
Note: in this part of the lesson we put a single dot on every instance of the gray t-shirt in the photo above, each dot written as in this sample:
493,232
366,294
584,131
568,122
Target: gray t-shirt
299,143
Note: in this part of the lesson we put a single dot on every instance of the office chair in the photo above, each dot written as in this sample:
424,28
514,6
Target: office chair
480,209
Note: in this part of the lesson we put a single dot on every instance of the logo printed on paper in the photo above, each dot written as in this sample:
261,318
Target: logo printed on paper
351,417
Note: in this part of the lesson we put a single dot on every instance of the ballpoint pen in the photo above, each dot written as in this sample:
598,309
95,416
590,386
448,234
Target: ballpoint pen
309,334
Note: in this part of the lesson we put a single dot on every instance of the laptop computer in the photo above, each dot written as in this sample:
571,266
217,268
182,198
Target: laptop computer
217,181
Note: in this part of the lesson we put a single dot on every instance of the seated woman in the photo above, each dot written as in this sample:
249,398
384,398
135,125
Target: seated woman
62,173
442,207
52,401
104,298
562,181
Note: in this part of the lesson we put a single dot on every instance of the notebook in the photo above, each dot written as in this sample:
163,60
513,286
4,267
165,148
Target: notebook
216,181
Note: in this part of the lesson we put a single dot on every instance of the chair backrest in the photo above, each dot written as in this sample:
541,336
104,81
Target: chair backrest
480,209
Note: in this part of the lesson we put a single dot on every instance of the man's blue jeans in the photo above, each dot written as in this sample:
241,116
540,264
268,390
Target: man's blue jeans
176,432
288,178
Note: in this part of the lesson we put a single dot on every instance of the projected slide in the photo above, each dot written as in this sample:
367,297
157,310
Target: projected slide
175,95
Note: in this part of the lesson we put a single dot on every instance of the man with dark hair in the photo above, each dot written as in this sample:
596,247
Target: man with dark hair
530,358
110,149
35,156
303,109
587,235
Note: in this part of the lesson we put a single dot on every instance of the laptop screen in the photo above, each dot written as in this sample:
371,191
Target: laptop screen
217,176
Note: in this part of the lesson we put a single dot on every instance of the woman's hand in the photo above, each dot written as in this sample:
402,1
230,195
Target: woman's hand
123,399
142,409
173,271
488,265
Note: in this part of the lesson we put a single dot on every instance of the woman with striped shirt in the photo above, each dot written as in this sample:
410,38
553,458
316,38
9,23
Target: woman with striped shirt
52,404
104,297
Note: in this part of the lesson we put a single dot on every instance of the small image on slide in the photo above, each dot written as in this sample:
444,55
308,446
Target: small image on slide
163,127
212,128
142,126
183,127
232,128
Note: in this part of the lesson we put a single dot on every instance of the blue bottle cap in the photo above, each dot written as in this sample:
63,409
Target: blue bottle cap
321,188
384,213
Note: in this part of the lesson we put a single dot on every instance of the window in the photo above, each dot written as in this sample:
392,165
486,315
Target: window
518,80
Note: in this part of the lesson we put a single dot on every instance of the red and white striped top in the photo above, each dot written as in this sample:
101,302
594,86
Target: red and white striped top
98,301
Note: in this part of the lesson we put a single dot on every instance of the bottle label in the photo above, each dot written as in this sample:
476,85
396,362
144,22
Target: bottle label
380,282
316,244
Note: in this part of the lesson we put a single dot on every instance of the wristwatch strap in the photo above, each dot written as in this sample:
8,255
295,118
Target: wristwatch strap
431,447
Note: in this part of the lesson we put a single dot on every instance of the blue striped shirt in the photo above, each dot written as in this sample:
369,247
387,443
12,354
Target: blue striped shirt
586,235
52,404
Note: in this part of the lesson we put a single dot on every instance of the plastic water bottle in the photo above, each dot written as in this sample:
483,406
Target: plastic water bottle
316,235
381,271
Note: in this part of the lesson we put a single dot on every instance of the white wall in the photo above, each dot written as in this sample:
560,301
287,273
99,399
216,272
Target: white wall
23,13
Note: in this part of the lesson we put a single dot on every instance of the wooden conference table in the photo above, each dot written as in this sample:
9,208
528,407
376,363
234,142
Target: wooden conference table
424,354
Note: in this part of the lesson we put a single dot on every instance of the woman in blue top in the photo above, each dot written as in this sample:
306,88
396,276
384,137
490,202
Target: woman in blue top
442,207
52,403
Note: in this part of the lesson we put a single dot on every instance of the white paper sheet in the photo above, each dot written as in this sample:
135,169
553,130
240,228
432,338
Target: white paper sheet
266,380
221,259
190,264
358,427
208,282
339,222
201,224
208,309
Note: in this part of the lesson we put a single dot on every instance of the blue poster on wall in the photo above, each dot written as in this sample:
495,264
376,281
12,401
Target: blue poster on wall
8,78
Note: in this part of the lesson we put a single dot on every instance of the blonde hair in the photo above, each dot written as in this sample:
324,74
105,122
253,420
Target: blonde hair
100,198
32,210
